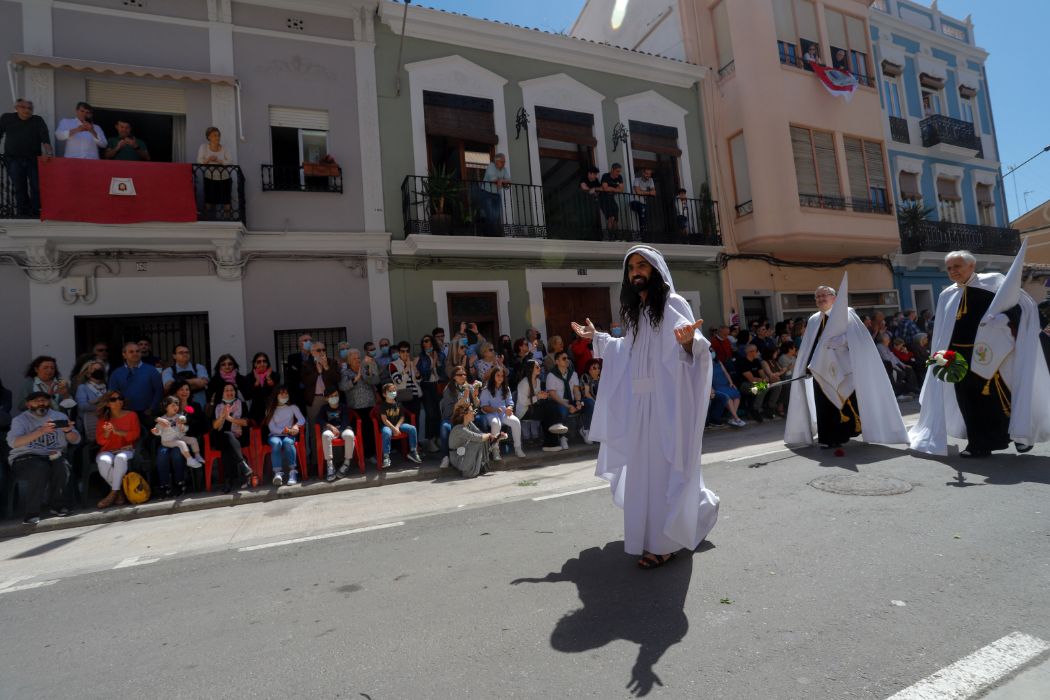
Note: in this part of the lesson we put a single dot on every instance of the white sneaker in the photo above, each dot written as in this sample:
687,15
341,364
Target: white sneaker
558,429
194,462
345,469
444,463
278,480
293,477
413,456
330,474
586,435
386,461
519,453
564,442
552,448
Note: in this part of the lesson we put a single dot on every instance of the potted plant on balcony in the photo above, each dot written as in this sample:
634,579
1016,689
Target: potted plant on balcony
441,190
326,167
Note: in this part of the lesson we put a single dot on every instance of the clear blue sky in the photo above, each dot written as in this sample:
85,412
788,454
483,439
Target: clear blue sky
1012,31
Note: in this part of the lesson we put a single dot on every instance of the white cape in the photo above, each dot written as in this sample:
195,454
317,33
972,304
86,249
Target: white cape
880,415
1026,376
656,425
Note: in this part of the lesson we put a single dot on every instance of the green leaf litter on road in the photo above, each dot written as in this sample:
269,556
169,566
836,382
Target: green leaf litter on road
528,482
725,601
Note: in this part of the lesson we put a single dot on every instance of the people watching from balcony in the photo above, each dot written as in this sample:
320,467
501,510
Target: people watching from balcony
534,404
811,56
228,436
334,420
490,192
25,137
358,381
644,189
284,421
497,410
681,211
82,137
590,187
125,145
183,367
406,377
611,185
37,439
117,432
393,421
42,375
470,449
563,387
839,60
261,382
218,184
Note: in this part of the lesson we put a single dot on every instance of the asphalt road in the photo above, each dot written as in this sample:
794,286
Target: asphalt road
800,593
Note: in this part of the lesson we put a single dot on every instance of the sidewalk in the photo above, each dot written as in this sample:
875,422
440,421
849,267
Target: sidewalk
720,444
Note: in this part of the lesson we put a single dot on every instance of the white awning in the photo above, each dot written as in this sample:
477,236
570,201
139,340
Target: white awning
103,68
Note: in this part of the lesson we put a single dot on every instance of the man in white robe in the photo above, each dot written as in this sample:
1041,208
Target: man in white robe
988,319
650,413
849,392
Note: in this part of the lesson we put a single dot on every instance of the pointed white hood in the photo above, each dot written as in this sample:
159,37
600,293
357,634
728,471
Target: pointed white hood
994,343
831,366
1009,293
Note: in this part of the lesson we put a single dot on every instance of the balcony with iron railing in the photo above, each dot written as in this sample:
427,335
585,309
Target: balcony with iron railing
945,236
873,205
451,207
940,131
899,130
218,192
308,177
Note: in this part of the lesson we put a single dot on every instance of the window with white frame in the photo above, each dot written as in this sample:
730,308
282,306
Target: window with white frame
848,38
867,174
966,108
932,102
797,34
816,167
985,205
910,190
892,91
948,200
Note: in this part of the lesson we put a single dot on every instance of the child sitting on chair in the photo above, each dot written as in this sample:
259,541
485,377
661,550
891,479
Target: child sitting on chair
171,429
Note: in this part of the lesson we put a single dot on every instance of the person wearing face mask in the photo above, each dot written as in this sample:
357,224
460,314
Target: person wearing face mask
91,385
322,372
393,423
228,437
38,439
343,349
284,420
359,380
334,419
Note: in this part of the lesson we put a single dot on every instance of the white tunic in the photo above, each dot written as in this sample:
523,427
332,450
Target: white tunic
649,419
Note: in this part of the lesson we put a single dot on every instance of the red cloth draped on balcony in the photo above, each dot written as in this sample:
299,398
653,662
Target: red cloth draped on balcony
836,82
115,191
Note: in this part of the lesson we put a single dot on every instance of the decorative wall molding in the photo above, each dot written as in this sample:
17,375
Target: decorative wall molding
652,107
563,92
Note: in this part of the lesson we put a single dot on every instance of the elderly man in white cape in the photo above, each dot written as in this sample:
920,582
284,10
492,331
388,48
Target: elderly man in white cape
991,322
851,394
650,413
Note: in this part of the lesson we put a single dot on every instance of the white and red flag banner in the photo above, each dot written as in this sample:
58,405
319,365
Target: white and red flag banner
838,82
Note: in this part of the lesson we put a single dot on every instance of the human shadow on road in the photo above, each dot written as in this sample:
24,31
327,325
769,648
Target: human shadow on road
854,455
621,601
1001,468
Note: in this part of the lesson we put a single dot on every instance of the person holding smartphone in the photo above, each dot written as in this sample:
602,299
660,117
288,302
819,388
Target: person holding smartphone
38,439
82,137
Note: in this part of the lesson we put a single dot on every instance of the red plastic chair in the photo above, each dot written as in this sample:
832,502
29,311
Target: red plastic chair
359,447
260,449
403,438
209,456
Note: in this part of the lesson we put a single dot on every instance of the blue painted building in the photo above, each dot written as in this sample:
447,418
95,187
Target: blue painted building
941,144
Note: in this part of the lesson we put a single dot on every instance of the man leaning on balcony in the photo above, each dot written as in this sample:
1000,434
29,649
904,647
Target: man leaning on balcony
497,178
25,138
82,136
125,146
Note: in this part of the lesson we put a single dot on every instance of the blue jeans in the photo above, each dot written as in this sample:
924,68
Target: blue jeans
283,453
406,428
588,411
170,462
446,430
26,185
717,408
491,207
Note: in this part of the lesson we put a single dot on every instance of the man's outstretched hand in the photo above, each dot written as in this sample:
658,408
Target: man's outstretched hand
684,334
587,331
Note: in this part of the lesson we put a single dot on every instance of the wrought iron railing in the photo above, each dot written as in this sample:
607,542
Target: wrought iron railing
899,130
944,236
441,206
727,70
937,129
219,190
297,178
874,205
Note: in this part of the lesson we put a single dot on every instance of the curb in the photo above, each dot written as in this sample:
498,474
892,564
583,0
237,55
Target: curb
262,494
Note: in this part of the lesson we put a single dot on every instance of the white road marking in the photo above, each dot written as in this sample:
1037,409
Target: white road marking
325,536
972,674
28,586
570,493
134,561
760,454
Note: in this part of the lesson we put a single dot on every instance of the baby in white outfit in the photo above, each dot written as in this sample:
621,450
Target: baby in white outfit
171,428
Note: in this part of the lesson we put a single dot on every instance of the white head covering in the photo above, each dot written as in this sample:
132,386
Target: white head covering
655,258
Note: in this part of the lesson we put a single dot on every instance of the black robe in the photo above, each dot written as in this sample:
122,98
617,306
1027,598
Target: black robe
832,430
984,404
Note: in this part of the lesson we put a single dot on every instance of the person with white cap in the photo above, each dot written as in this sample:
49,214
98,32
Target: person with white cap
991,322
650,414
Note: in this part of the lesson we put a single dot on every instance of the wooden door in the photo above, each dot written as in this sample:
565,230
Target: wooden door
563,305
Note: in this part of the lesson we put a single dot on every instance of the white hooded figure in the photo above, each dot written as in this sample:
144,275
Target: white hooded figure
855,391
1005,392
650,414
